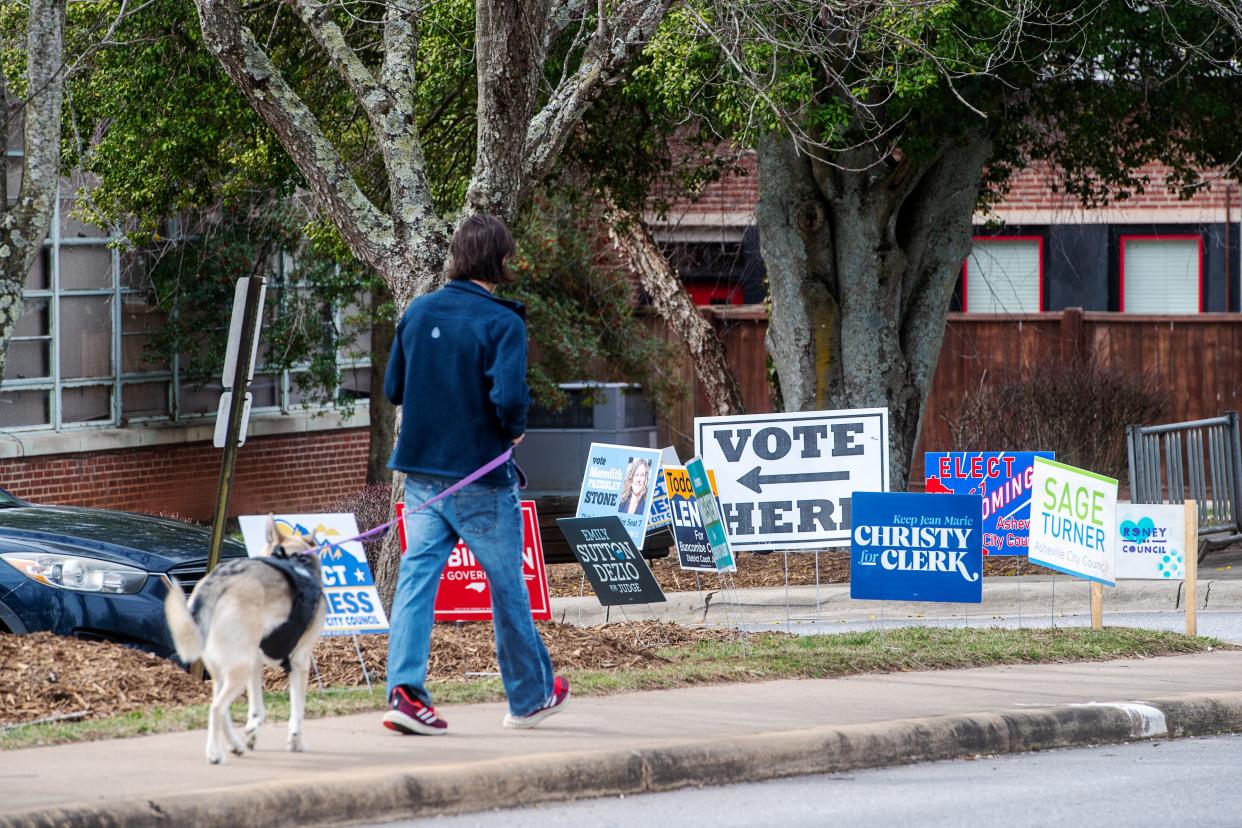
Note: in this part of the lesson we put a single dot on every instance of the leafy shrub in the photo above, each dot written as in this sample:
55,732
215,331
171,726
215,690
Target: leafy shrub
1079,409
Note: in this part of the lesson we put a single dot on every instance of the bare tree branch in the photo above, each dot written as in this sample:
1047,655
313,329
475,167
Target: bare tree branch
618,36
317,16
670,299
368,231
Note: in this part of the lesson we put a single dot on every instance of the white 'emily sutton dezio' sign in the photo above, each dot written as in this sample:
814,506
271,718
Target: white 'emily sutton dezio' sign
785,480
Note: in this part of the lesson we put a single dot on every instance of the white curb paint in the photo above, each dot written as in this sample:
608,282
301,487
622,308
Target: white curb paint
1148,721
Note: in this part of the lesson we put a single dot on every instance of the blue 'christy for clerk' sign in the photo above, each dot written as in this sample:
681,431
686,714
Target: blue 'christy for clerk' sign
917,547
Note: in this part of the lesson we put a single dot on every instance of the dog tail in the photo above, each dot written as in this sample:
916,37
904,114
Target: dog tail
185,634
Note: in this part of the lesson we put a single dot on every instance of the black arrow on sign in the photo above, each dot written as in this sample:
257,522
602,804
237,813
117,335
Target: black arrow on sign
754,481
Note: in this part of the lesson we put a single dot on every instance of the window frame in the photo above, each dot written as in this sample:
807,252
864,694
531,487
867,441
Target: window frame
1155,237
117,379
1038,239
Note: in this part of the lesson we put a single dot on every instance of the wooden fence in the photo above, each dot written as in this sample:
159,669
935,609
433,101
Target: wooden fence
1198,359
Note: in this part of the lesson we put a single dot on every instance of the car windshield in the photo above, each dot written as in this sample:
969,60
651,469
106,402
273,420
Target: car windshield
7,500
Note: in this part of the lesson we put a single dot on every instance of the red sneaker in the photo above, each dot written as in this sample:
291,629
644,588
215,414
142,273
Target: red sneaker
555,704
409,715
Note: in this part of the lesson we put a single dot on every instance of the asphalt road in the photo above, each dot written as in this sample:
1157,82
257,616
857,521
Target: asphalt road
1157,784
1224,625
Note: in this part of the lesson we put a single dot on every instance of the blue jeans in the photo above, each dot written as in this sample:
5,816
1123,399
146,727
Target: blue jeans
489,519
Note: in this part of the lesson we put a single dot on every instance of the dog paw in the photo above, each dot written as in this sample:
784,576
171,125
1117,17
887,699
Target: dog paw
252,736
296,743
215,758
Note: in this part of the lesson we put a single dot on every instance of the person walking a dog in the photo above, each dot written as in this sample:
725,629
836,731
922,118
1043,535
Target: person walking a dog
458,370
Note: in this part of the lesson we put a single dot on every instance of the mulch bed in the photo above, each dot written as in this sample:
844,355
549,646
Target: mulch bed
45,676
49,677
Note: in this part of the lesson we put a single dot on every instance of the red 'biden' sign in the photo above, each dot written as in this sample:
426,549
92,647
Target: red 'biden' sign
464,593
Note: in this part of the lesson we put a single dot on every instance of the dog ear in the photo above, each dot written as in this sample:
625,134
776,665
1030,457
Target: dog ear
274,536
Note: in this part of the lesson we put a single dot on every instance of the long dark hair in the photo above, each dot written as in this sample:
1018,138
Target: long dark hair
479,249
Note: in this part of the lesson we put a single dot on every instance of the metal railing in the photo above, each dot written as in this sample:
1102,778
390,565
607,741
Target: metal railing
1199,460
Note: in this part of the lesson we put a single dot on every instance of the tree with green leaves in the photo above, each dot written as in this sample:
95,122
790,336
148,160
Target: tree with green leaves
164,135
882,126
30,93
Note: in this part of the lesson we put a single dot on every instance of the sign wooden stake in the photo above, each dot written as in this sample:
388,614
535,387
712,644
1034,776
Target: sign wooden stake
1097,605
1191,565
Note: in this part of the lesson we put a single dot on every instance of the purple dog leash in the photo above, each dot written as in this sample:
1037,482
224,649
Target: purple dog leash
460,484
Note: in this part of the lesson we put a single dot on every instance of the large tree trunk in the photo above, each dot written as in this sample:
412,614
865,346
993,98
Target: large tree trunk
521,130
862,261
383,413
24,225
676,308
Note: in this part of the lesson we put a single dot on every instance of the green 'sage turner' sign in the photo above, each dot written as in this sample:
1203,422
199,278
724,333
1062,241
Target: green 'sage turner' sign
1074,521
712,523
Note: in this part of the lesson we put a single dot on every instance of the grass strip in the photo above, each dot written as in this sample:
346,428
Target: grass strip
747,658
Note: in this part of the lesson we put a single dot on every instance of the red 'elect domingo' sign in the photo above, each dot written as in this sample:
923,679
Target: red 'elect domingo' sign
464,595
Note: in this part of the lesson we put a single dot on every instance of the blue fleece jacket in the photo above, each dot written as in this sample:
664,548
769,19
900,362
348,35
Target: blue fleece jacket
458,369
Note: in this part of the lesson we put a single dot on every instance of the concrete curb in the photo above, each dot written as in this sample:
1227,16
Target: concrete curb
1034,596
409,792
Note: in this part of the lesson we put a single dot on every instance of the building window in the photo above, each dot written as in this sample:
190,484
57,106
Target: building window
1004,274
77,358
1162,274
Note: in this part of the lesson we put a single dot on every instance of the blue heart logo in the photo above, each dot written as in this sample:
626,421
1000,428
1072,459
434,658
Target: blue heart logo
1137,532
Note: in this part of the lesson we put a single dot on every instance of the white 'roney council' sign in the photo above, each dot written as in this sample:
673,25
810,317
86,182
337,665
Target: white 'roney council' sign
786,480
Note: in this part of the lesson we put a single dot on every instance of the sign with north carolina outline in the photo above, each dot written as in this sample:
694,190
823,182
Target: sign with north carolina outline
465,594
353,602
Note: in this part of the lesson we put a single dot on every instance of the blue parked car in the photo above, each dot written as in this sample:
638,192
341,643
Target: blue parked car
95,574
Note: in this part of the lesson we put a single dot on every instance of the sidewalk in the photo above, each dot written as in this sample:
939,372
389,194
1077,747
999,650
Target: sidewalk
1033,596
632,743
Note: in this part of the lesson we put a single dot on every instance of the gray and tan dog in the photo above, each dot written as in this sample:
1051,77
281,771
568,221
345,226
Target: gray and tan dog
250,612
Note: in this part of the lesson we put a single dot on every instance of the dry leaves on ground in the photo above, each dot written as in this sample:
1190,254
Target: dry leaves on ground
46,676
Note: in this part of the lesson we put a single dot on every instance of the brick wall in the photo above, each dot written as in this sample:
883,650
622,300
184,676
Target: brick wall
301,472
1036,188
1033,188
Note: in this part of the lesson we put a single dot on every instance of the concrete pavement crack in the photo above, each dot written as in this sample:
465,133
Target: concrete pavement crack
707,602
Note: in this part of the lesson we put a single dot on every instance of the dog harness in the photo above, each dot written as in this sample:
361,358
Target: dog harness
307,592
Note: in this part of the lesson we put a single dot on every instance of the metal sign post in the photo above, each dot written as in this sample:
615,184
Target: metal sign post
238,372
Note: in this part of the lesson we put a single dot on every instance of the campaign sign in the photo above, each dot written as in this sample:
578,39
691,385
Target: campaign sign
917,547
464,594
620,480
785,480
660,515
704,484
1002,478
693,551
611,561
1074,521
1151,541
353,602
